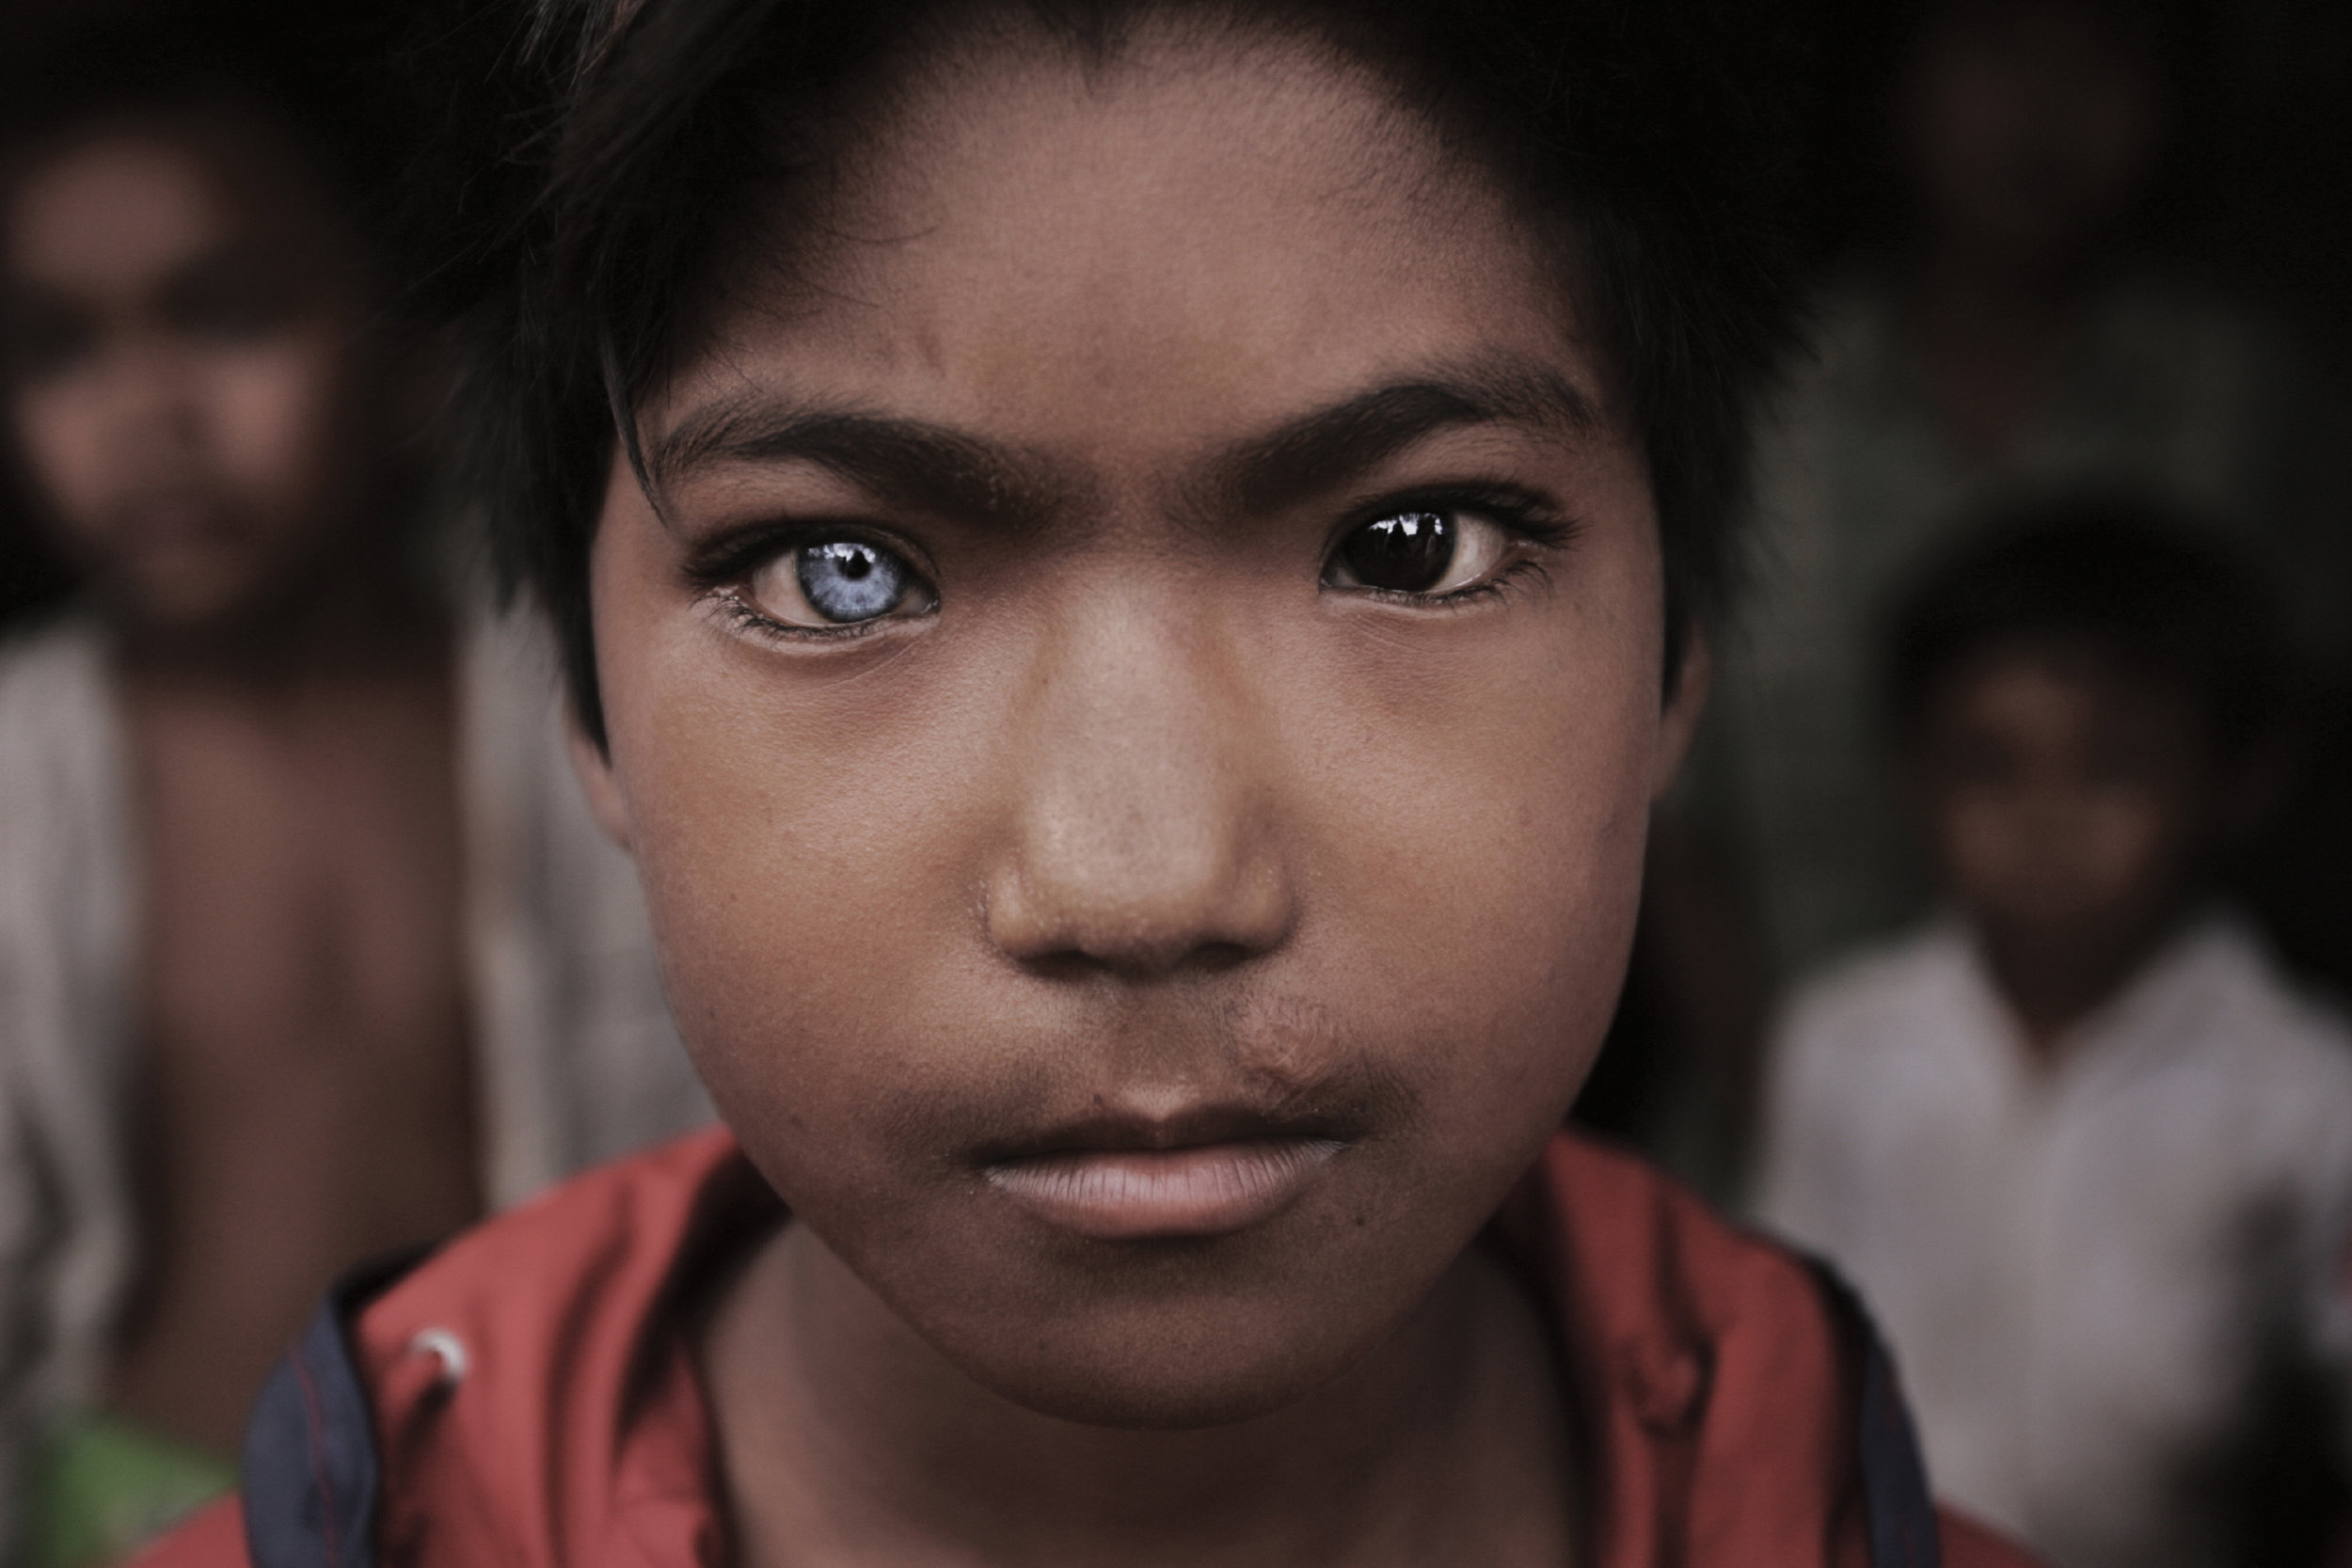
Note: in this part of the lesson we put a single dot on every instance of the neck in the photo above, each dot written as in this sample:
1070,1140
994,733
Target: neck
1990,332
2052,984
357,619
848,1437
1956,287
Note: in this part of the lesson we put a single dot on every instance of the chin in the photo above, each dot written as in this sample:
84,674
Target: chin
1157,1386
192,604
1198,1336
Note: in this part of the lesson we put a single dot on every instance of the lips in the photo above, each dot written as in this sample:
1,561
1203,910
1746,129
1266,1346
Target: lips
1136,1160
1207,1189
1198,1171
174,522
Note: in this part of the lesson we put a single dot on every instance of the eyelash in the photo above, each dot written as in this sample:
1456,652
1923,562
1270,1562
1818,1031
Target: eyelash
731,603
718,572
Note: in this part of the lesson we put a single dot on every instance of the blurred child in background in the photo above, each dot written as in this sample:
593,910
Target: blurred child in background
2012,338
2013,343
308,948
2077,1142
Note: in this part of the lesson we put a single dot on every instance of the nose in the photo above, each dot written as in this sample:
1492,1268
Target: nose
150,405
1143,836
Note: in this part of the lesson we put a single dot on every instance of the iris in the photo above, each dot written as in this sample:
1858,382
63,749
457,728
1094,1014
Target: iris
845,580
1406,552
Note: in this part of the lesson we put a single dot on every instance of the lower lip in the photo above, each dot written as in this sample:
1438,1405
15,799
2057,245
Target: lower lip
168,525
1135,1194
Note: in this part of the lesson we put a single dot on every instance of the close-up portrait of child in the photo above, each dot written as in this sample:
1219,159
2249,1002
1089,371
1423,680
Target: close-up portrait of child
1091,605
1129,575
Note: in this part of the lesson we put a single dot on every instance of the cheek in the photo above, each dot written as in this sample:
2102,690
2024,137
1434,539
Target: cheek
1471,814
281,419
800,886
807,851
1977,834
2128,836
61,430
1477,846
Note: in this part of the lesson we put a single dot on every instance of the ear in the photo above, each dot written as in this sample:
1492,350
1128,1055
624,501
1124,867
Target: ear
1679,721
594,770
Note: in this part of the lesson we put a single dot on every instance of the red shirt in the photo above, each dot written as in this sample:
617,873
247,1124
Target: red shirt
526,1398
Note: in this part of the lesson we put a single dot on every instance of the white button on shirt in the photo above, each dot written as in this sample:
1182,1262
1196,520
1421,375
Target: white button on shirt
2076,1261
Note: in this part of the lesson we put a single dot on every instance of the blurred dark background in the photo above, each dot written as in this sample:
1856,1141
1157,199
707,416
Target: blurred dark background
2258,191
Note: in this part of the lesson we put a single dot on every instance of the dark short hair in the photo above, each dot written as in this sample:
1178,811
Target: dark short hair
2127,577
315,74
625,133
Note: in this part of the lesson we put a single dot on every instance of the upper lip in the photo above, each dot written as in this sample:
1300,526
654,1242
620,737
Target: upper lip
1104,1131
177,507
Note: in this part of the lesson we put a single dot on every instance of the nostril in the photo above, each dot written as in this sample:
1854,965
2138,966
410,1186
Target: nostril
1071,916
1215,957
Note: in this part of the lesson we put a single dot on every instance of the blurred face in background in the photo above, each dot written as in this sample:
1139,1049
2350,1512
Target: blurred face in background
2028,130
2068,799
191,385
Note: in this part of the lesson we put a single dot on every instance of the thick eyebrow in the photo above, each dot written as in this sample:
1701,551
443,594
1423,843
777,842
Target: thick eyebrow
909,463
1320,452
897,462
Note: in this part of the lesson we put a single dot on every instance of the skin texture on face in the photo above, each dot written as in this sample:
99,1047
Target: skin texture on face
1140,826
190,382
2069,806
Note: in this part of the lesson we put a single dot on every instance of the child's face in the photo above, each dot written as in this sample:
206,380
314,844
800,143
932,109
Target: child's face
2068,801
187,376
1144,953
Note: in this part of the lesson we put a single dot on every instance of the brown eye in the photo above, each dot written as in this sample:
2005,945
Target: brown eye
1412,551
1407,552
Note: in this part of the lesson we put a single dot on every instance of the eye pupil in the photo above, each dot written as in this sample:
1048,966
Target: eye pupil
1406,552
845,580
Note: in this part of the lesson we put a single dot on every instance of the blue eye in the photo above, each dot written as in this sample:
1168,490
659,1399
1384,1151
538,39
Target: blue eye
845,580
836,582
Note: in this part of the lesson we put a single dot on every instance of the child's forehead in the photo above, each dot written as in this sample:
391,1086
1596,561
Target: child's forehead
1162,78
1162,151
1212,225
109,195
2085,673
172,177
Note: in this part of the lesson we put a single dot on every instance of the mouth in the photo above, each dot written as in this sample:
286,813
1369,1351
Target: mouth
175,522
1138,1180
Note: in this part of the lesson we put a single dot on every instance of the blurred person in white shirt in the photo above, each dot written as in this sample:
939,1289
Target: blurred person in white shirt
2085,1151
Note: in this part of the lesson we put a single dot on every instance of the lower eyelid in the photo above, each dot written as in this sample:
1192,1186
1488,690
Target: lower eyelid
1495,583
748,617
